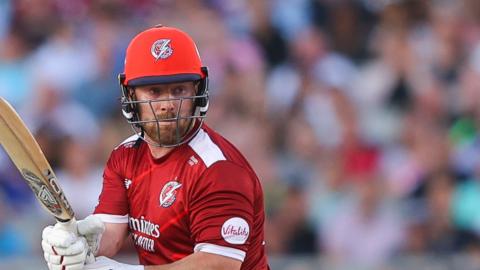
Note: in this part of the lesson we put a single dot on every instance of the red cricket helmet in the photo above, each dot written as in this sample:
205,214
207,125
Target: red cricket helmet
162,55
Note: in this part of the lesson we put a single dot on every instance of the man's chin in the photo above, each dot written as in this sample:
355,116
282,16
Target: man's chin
164,138
165,134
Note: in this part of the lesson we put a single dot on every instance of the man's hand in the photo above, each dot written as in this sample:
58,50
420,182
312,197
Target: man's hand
63,249
68,246
104,263
92,229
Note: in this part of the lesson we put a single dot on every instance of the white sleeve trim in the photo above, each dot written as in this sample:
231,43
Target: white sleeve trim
233,253
113,218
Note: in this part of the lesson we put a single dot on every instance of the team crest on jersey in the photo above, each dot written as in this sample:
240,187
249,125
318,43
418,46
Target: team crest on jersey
161,49
168,194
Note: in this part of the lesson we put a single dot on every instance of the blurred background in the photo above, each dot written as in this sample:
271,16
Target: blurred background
361,118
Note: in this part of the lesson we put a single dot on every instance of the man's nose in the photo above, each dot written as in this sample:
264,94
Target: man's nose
167,104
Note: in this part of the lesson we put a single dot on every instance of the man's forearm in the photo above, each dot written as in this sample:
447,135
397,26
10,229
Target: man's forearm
112,239
200,260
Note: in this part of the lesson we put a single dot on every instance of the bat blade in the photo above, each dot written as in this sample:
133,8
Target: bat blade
24,151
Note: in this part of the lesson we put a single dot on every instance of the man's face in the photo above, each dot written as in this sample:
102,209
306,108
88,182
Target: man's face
165,131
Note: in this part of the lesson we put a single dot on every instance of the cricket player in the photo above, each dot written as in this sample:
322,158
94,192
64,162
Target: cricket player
186,196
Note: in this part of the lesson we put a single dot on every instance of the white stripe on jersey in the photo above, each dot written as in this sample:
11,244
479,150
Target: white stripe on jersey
132,138
107,218
208,151
233,253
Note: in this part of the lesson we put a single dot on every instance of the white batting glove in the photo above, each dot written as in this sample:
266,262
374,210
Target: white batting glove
92,229
104,263
63,249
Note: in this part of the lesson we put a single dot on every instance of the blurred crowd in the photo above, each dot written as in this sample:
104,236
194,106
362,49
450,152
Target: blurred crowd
361,117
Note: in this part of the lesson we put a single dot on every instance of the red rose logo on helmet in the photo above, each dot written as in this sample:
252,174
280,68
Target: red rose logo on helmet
161,49
168,194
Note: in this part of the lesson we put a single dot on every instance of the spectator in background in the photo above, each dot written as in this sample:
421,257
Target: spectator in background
267,35
80,171
367,232
15,193
12,241
466,204
106,33
296,236
442,237
65,59
15,77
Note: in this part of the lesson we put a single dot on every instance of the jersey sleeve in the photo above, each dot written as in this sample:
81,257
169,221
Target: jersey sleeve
112,204
221,210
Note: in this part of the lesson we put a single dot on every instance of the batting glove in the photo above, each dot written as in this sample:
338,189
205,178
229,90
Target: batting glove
92,229
104,263
63,249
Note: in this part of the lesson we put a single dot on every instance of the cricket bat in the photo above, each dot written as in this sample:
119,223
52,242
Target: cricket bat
26,154
24,151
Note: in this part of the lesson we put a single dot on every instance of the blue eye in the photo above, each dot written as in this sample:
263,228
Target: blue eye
177,91
154,91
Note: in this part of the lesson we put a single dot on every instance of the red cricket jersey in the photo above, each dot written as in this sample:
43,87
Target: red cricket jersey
202,196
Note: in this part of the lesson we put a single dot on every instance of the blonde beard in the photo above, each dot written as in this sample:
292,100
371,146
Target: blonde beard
167,135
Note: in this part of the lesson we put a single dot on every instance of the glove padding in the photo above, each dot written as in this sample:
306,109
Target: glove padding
63,249
69,246
92,229
104,263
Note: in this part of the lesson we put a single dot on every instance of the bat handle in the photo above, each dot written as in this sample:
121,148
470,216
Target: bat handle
71,226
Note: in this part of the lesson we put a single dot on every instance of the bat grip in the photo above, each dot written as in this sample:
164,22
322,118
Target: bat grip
71,226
